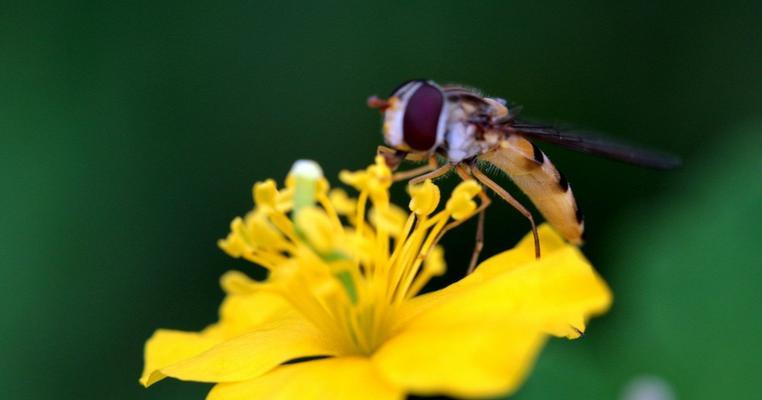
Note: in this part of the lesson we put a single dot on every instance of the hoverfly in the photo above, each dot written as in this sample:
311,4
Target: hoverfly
424,122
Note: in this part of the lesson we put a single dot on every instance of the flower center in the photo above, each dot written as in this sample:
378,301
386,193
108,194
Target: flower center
348,264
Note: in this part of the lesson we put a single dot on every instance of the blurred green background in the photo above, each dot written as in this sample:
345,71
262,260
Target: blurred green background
130,135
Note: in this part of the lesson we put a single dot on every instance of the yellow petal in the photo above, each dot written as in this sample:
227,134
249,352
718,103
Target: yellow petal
246,307
332,378
556,293
522,253
245,312
250,355
167,347
479,337
464,361
424,198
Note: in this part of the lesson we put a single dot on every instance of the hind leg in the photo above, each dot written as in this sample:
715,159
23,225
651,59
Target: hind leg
486,181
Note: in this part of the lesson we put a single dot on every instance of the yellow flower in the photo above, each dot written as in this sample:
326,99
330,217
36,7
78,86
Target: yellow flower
340,317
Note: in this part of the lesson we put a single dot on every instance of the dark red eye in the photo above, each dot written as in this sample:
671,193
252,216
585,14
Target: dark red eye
421,120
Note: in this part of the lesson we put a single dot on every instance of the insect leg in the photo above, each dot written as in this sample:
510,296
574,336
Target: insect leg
465,173
478,242
411,173
486,181
392,157
485,201
431,175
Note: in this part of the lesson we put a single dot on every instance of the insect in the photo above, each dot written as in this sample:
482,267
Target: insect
425,122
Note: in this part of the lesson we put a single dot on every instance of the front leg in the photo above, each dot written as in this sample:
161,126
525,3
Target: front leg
464,172
394,157
391,156
412,173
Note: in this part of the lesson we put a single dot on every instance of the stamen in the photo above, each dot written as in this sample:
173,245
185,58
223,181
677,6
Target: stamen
348,279
403,289
259,260
433,265
284,225
325,202
402,238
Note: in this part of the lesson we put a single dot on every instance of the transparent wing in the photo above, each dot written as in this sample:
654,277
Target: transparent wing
594,144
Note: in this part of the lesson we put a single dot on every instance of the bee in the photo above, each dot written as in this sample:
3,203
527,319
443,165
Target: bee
423,121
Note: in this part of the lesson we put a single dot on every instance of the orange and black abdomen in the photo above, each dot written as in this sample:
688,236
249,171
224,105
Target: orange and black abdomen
546,187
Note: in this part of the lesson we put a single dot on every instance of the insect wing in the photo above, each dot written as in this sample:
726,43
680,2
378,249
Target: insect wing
589,143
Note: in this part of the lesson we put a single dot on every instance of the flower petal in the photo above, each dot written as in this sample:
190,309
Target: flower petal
241,313
250,355
557,293
464,361
246,307
335,378
480,336
167,347
522,253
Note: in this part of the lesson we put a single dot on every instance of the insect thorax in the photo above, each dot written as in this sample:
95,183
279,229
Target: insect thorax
465,139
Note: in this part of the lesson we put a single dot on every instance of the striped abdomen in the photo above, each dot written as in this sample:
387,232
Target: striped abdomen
545,186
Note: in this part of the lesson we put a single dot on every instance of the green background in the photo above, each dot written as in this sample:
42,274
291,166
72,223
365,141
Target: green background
130,136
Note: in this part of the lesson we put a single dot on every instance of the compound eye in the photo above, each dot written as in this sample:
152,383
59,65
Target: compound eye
421,120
